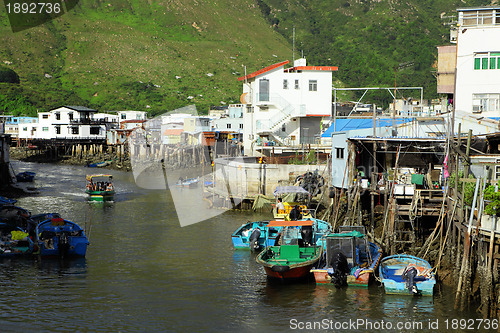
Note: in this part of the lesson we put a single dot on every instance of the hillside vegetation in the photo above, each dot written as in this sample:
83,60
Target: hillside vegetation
149,55
374,42
158,55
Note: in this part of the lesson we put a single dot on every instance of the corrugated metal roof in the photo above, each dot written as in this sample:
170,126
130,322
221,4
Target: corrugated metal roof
343,125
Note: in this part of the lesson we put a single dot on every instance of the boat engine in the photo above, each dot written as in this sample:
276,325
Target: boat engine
307,235
253,240
63,245
409,275
339,269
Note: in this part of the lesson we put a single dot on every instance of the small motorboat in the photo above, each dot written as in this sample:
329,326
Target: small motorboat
58,237
100,187
255,236
26,176
404,274
14,241
188,182
294,255
348,258
99,164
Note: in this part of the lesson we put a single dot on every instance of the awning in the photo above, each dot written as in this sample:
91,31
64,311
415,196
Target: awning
300,223
289,189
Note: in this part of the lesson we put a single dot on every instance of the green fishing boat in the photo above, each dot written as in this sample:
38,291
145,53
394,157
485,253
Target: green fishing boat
100,187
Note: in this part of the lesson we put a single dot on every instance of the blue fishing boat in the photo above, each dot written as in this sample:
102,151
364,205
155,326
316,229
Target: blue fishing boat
26,176
99,164
58,237
254,236
7,201
188,182
258,235
404,274
348,258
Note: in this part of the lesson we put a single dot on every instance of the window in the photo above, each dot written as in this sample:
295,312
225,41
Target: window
58,129
313,85
95,130
249,109
285,84
283,128
296,84
75,130
487,60
124,116
45,116
228,125
497,170
340,152
58,116
70,115
241,126
45,129
264,90
485,102
25,129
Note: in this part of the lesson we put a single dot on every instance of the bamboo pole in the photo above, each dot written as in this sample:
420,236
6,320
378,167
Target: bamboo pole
465,260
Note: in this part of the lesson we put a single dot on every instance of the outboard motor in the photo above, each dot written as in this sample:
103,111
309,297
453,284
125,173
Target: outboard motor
307,235
409,275
63,245
339,268
253,240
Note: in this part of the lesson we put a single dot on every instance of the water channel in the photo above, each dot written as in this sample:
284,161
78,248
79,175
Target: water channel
145,273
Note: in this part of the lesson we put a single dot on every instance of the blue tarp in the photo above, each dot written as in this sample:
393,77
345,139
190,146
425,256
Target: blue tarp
343,125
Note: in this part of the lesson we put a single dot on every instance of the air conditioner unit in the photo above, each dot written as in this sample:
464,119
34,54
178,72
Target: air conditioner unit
477,108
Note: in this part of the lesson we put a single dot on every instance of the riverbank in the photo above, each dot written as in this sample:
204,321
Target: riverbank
88,158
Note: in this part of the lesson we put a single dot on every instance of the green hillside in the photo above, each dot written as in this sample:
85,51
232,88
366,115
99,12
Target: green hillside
158,55
374,43
153,55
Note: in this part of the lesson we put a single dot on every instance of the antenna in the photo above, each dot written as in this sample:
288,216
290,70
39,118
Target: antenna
293,47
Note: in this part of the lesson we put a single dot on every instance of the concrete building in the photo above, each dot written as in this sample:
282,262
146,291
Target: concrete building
285,106
66,122
478,61
232,121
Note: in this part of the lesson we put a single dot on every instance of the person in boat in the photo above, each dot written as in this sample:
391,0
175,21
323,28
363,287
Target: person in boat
245,232
295,213
109,187
280,207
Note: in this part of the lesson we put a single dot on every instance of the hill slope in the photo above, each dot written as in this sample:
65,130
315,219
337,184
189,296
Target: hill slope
374,42
159,55
153,55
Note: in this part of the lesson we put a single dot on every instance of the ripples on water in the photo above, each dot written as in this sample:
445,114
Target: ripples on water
144,273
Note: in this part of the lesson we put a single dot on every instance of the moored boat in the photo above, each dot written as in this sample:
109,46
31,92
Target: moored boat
14,241
404,274
188,182
295,253
26,176
269,232
58,237
100,187
255,236
348,259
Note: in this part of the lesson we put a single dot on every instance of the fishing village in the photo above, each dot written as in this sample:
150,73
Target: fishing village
349,194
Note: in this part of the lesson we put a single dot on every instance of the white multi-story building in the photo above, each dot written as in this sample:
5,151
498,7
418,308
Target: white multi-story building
232,121
478,61
285,106
132,115
66,122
